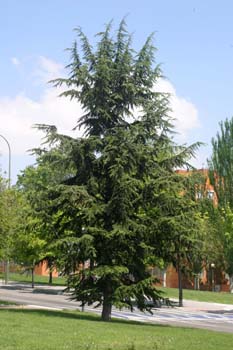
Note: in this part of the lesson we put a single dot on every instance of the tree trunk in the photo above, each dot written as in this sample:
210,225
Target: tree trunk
180,283
196,282
231,284
83,277
50,277
33,282
50,266
7,269
106,311
107,305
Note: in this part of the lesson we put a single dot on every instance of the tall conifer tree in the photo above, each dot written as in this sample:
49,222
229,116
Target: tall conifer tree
116,215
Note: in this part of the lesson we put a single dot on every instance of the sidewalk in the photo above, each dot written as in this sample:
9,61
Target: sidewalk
38,288
191,305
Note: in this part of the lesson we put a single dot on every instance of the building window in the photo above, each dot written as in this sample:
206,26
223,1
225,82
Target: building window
199,195
210,194
157,272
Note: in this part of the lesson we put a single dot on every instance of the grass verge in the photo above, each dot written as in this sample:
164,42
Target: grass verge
211,297
25,277
6,303
42,329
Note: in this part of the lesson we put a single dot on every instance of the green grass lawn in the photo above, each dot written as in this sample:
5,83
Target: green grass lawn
55,330
25,277
6,303
212,297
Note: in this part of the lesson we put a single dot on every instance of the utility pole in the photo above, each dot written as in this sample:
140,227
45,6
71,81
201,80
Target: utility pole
9,186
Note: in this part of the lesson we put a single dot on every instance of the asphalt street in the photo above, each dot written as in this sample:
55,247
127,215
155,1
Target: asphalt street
218,317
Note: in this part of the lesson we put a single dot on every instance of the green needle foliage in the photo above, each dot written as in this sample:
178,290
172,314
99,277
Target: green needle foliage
121,207
221,163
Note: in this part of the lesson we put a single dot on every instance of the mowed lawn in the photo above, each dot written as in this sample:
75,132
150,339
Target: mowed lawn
46,330
211,297
38,279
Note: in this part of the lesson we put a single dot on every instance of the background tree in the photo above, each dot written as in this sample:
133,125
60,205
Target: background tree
35,225
180,227
221,166
226,232
29,248
3,218
212,247
221,163
8,221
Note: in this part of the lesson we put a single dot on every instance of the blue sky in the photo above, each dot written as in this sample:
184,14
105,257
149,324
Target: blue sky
195,46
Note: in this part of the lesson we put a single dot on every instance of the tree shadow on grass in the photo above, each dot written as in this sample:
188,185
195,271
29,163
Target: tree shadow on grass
22,278
221,312
26,288
78,315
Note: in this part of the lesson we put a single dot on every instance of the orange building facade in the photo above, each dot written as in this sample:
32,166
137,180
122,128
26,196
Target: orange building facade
42,269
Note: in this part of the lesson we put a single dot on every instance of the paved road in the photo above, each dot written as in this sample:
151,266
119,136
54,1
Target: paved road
218,317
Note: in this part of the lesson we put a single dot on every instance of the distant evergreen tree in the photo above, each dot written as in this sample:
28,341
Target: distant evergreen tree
221,163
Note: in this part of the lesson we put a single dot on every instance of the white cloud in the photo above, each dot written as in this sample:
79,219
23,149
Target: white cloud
184,112
15,61
200,161
48,69
20,113
51,67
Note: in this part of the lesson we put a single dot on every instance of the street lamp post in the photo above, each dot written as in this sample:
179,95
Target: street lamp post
9,185
212,276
